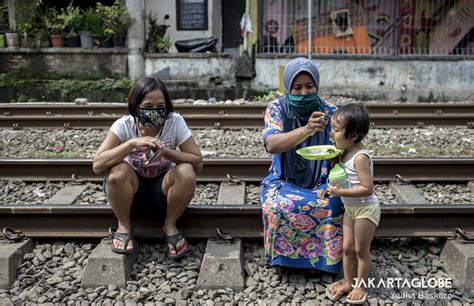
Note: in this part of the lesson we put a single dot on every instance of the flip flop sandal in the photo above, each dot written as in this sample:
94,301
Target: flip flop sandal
173,240
330,295
12,235
123,237
357,302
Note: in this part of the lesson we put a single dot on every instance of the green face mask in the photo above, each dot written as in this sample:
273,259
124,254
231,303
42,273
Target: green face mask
303,103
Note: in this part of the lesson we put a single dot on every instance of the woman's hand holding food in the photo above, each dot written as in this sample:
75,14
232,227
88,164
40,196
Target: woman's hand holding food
316,122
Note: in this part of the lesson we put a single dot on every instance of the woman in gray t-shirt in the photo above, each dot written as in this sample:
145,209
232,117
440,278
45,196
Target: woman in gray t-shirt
143,170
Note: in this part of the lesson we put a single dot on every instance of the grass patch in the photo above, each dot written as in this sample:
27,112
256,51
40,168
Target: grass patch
65,83
268,97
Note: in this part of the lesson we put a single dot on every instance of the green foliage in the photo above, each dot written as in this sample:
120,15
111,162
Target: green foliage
72,19
156,33
55,20
25,11
23,98
3,18
67,86
268,97
25,27
122,83
116,19
65,19
164,43
90,22
40,30
64,82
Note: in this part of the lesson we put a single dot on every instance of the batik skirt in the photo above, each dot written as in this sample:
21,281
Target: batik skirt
301,230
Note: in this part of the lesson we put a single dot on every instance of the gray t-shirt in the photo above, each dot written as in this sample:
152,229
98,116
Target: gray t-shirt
174,133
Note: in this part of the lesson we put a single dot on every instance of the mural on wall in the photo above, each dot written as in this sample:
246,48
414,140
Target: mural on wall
338,31
381,18
274,30
454,29
370,26
415,29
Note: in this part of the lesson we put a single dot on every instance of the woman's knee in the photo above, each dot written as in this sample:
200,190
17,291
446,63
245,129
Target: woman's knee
185,173
119,175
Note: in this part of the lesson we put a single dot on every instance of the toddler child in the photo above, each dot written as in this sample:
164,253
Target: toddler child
349,125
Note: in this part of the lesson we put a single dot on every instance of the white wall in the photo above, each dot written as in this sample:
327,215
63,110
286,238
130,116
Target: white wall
163,7
363,78
393,80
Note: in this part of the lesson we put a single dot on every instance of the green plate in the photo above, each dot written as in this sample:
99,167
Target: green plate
319,152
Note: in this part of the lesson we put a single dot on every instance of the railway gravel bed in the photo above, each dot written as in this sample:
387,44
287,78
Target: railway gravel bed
52,273
338,100
15,192
416,142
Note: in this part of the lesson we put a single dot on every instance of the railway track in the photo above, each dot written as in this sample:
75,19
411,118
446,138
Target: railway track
249,170
223,116
244,221
201,221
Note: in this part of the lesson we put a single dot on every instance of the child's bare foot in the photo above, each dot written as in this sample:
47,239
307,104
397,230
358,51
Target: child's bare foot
357,296
337,289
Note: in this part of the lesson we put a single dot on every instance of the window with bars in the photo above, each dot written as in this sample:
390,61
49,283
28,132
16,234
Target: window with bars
191,15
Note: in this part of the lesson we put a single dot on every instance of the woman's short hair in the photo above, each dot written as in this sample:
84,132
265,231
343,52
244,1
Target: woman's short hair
356,118
141,88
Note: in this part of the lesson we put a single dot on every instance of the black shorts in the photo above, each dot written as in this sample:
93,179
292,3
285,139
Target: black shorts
149,198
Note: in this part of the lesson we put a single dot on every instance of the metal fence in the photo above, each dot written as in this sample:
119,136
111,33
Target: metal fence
441,27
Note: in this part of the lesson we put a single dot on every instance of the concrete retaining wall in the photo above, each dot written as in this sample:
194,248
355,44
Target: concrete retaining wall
367,78
195,66
388,79
106,62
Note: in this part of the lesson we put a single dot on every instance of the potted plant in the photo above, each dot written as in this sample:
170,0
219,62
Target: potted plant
55,22
12,37
164,44
121,23
26,28
116,21
106,32
40,31
90,24
25,12
72,20
156,34
3,25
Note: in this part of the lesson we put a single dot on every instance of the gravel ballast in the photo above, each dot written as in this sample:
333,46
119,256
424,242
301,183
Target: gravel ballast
52,273
15,192
244,143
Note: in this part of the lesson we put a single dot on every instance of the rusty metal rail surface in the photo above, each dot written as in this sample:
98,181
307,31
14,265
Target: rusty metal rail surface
223,116
240,221
250,170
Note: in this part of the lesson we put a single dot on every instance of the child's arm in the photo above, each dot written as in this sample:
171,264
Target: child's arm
366,187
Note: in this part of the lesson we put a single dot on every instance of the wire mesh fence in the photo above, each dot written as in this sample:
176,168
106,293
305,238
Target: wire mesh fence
433,27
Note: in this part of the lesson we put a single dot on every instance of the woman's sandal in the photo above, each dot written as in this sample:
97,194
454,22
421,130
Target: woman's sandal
123,237
335,294
173,241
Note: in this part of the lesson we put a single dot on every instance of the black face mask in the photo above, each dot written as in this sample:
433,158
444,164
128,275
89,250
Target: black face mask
152,117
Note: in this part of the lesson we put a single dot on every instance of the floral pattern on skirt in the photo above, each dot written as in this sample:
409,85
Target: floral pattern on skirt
300,229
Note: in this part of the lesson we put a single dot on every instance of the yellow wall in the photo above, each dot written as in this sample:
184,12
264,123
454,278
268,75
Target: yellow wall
254,5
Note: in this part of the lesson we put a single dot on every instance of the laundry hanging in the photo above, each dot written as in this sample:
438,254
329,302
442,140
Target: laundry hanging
245,24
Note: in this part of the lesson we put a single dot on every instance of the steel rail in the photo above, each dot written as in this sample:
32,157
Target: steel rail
250,170
91,109
240,221
224,116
